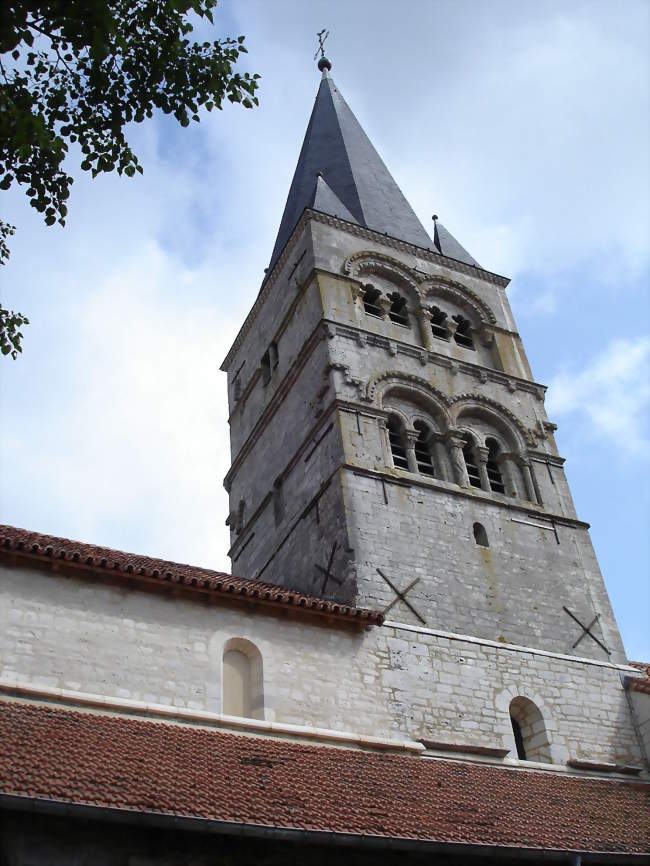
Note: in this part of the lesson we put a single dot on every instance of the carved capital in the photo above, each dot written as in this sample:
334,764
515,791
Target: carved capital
485,335
411,437
384,305
451,325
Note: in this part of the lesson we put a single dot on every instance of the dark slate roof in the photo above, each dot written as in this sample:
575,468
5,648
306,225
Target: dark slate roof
340,173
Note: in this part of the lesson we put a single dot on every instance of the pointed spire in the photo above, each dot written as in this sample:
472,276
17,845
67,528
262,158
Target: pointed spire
353,179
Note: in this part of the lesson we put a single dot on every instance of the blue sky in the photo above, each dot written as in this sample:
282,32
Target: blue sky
524,126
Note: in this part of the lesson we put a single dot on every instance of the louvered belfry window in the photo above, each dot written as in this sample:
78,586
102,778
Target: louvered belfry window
438,326
471,465
371,301
493,470
396,439
398,312
422,450
463,334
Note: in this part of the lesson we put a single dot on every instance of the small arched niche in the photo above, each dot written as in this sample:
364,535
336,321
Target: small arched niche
242,680
480,535
529,731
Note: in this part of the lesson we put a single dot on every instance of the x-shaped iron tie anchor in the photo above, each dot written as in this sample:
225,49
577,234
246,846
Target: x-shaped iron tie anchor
328,571
586,629
400,595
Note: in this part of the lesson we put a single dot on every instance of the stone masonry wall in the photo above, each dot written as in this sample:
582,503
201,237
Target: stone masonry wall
392,681
512,591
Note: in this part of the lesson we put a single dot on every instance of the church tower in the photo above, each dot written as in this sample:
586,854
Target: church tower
390,446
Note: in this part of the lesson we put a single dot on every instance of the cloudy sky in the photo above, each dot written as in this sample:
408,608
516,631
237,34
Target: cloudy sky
523,125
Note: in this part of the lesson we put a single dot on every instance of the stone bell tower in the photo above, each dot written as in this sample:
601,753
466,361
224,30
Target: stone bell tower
390,447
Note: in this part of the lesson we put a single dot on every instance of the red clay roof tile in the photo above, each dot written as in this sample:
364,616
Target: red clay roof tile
103,559
640,684
116,761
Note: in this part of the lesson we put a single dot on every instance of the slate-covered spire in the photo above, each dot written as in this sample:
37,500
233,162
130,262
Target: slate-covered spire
339,172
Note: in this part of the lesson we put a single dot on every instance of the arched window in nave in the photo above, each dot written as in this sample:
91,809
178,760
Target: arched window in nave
529,731
242,680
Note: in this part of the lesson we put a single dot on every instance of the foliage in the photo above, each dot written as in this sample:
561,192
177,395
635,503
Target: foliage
10,322
76,72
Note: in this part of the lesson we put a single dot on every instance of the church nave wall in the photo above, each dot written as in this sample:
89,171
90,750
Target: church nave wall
397,681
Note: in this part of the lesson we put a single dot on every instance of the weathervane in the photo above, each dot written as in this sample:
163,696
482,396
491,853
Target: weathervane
322,36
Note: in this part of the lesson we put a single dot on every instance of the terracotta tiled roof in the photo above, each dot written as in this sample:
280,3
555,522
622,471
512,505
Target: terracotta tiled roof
103,559
154,767
640,684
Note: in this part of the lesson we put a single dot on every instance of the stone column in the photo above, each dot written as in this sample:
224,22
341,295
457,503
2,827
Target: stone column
424,321
524,465
482,454
384,305
456,443
506,465
451,326
440,459
486,335
411,437
385,441
358,291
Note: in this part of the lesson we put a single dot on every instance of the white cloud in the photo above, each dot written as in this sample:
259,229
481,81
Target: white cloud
610,397
132,447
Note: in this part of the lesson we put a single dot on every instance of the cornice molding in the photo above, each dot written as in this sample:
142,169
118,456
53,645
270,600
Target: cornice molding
513,383
420,252
407,479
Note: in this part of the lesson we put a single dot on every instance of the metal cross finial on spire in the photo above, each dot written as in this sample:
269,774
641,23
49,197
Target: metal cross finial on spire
323,63
322,36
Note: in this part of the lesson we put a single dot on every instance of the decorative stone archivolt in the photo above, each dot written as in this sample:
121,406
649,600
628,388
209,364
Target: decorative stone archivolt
367,262
466,402
458,293
377,387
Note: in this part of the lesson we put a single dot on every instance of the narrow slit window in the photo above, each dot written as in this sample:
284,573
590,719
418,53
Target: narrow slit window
398,312
471,465
371,302
266,368
493,470
278,502
438,324
396,439
422,450
273,355
480,535
463,334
